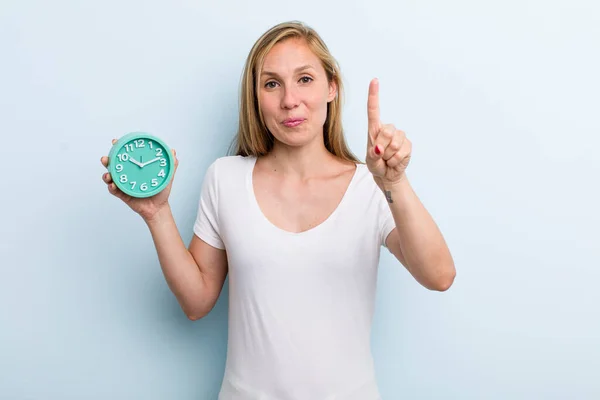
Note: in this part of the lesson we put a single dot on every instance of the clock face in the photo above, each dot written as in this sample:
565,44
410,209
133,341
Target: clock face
141,166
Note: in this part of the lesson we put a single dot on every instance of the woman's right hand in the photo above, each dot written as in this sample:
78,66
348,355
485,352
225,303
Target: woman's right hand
146,207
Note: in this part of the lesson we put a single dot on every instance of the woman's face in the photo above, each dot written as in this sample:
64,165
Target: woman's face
294,92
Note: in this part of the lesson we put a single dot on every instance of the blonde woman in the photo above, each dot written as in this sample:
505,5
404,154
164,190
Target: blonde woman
298,222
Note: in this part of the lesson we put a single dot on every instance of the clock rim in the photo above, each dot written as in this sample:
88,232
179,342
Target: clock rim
140,135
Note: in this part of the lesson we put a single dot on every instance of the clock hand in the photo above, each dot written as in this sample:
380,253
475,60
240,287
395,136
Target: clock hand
150,162
136,162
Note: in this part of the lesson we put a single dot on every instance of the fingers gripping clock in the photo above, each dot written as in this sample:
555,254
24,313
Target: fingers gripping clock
141,164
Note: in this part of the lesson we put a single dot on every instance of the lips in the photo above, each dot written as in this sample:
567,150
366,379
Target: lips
291,122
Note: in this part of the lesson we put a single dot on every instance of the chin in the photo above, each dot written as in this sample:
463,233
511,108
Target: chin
292,142
297,137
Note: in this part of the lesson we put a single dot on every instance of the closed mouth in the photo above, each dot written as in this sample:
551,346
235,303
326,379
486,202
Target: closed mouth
293,121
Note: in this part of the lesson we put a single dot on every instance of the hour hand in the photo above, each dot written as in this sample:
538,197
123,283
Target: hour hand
133,160
149,162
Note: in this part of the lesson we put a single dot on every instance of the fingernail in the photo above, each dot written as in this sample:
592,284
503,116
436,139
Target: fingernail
377,151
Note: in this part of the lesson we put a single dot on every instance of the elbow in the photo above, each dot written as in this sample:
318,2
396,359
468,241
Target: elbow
198,307
445,280
443,285
195,313
194,317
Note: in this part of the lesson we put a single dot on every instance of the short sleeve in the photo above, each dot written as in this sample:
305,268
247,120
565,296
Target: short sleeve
206,226
386,219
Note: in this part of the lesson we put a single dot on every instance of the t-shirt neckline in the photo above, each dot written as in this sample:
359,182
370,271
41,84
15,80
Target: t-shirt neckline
261,216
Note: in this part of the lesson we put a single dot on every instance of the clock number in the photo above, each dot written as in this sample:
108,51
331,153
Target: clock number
123,157
119,167
133,184
162,173
129,147
154,182
150,144
144,186
163,162
123,178
158,152
139,143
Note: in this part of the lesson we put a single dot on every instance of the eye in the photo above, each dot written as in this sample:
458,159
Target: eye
270,84
306,79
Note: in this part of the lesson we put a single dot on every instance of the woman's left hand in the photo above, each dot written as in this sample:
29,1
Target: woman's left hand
389,150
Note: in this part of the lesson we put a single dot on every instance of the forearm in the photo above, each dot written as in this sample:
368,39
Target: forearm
182,273
422,245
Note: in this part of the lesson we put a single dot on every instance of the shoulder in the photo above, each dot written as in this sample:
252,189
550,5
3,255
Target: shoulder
365,188
227,165
364,178
227,174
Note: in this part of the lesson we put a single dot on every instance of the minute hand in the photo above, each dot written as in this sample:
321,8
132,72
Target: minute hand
150,162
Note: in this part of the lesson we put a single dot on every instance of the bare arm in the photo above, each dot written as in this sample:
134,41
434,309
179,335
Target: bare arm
416,241
195,276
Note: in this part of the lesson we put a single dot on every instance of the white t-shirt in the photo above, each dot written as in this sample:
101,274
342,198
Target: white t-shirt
300,304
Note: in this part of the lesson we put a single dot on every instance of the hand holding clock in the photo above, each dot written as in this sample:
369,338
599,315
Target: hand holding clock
147,206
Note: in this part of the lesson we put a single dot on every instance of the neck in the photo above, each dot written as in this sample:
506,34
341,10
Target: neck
301,162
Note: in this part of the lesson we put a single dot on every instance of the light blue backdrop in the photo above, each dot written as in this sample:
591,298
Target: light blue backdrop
500,100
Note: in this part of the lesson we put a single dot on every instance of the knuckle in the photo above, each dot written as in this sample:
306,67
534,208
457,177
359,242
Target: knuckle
395,145
386,132
392,162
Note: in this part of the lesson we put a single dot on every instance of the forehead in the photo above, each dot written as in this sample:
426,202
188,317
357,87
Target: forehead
289,54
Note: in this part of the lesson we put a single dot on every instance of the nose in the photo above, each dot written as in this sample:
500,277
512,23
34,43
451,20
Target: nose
290,98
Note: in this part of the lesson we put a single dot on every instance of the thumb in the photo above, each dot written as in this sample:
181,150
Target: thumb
374,152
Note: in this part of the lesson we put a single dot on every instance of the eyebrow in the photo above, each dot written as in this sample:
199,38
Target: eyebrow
299,69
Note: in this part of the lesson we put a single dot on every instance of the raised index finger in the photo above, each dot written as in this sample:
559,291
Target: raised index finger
373,108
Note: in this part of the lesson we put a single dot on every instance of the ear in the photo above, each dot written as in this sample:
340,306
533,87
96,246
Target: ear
332,91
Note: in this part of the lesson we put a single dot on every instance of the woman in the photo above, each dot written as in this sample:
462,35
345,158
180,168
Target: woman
297,221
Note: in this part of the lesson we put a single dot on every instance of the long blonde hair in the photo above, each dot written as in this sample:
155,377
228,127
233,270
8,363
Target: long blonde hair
253,138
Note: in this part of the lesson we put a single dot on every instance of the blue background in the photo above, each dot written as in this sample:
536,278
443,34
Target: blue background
500,100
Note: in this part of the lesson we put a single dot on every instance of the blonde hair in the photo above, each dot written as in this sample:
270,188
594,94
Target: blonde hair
253,137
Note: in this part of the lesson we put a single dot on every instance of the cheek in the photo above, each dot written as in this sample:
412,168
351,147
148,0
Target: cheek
268,106
318,104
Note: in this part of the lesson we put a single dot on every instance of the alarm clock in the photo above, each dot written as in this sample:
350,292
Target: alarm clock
141,164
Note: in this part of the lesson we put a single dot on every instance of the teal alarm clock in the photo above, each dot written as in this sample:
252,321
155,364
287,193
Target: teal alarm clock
141,164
